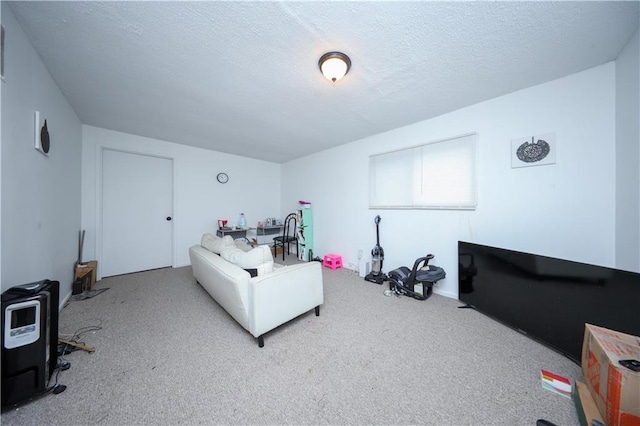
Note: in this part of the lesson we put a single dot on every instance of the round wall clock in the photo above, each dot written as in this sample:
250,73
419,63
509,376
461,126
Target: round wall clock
223,178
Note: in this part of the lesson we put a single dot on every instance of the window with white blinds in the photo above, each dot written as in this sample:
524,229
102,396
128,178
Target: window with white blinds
436,175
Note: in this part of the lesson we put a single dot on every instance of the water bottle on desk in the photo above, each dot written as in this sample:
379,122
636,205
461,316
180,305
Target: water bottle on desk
242,222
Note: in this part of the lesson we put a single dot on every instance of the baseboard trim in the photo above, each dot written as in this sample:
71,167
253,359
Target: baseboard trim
64,301
445,293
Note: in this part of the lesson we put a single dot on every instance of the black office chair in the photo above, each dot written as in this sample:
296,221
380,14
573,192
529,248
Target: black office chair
289,235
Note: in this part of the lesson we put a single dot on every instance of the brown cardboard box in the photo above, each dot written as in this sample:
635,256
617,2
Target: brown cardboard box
614,388
585,405
275,253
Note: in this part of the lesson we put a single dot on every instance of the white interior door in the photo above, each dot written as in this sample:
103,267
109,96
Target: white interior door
137,204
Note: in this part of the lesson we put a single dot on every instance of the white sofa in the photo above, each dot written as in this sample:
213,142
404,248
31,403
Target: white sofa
263,302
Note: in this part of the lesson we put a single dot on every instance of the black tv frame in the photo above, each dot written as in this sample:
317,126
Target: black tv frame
546,298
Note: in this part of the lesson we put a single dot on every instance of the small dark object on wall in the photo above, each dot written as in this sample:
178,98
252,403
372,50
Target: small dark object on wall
44,138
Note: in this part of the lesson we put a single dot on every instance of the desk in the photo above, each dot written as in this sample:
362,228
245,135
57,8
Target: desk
233,233
263,231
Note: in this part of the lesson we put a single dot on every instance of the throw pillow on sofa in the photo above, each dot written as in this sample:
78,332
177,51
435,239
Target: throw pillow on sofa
259,258
215,244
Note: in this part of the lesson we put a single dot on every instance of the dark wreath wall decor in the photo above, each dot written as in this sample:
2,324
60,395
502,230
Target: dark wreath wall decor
533,150
41,137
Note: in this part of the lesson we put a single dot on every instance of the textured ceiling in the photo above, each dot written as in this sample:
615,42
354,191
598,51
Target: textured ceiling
243,78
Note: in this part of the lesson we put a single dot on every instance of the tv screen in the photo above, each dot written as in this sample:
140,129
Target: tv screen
548,299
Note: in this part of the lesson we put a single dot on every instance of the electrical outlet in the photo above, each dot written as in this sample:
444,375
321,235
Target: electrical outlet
359,254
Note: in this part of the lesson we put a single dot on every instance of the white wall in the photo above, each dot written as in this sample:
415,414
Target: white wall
199,200
628,156
40,195
564,210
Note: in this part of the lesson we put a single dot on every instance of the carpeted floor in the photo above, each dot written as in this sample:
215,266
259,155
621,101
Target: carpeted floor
166,353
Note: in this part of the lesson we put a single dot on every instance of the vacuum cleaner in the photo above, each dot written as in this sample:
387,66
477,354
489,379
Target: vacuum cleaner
377,256
417,282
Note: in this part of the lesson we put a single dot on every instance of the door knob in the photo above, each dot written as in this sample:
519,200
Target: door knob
168,217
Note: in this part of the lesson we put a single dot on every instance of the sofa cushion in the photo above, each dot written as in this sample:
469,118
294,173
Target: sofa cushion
259,258
215,244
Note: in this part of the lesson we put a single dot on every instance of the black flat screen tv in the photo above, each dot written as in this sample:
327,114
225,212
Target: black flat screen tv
548,299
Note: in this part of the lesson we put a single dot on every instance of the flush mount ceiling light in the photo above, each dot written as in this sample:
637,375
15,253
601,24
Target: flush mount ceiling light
334,65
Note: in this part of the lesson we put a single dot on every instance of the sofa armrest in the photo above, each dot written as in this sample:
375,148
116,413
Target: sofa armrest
281,295
225,282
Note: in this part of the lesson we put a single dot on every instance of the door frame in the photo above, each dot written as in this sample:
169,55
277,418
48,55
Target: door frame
98,190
